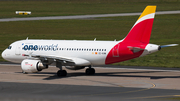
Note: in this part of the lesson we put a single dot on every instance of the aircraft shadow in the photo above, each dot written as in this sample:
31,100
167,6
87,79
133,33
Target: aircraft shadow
112,74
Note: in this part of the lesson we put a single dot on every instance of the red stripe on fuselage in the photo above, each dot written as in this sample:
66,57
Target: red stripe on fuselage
139,36
124,53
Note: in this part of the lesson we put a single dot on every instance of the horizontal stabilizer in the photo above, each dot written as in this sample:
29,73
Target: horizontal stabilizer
135,49
163,46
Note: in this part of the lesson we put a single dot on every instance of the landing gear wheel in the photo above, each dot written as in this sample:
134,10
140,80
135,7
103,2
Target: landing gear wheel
61,73
24,72
90,71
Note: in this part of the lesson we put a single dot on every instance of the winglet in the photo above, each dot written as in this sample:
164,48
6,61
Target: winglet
141,31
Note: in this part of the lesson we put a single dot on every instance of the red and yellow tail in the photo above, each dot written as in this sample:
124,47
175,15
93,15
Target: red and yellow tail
137,39
141,31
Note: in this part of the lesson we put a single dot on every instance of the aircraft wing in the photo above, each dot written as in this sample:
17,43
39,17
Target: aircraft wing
62,59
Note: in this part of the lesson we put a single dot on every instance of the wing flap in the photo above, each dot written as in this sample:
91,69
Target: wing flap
65,60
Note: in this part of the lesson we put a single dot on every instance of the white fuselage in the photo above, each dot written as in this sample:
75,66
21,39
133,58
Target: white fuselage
93,51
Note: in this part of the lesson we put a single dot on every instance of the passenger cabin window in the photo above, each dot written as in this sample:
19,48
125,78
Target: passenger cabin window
9,47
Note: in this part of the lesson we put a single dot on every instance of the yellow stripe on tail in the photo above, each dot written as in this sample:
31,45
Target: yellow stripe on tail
148,10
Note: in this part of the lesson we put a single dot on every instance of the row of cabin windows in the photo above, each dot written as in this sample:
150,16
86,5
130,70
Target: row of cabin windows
81,49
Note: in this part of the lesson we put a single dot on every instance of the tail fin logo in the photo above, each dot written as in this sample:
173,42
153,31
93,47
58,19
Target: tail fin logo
141,31
135,42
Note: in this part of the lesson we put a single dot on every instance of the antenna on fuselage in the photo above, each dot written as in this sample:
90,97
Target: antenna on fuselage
27,38
95,39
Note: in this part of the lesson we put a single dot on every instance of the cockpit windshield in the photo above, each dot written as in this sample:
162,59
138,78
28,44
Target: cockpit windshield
9,47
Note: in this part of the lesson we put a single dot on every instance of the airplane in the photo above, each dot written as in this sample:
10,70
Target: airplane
36,55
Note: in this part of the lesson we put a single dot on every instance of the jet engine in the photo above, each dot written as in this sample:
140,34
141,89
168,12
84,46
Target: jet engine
75,67
32,66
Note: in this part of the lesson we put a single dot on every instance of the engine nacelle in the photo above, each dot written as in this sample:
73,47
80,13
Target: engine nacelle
75,67
32,66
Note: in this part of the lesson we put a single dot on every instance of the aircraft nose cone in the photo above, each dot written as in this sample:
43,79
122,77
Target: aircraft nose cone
4,54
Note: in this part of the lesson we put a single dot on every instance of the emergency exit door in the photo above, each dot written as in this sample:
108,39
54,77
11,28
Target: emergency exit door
116,51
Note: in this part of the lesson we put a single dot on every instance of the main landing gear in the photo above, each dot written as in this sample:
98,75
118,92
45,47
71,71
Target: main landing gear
90,71
63,73
60,72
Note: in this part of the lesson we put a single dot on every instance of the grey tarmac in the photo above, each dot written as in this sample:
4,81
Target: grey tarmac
110,83
82,16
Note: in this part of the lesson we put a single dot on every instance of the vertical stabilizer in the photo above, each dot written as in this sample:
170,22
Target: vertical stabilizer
141,31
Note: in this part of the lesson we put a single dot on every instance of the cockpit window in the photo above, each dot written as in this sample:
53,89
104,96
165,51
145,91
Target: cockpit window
9,47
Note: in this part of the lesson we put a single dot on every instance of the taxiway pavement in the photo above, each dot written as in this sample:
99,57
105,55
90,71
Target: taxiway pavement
108,84
82,16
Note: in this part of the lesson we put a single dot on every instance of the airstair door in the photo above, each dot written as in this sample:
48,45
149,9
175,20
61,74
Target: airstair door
18,48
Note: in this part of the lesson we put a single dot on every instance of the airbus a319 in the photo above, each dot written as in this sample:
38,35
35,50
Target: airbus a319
36,55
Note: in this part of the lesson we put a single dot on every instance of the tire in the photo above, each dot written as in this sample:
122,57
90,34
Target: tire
90,71
61,73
